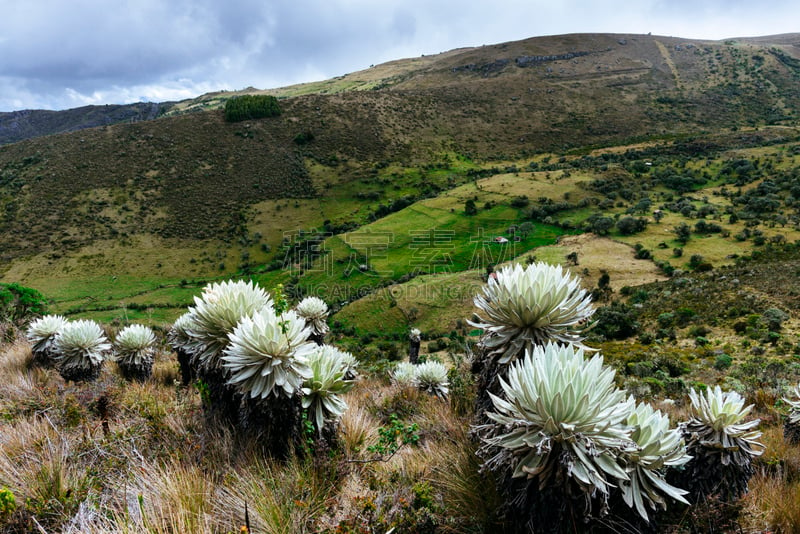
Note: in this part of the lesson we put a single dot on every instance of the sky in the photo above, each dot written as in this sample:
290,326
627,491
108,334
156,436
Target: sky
60,54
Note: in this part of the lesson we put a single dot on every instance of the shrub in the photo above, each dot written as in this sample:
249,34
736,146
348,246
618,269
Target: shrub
617,321
631,225
723,362
18,303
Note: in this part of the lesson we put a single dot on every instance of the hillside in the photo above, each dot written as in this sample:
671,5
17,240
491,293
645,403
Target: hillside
20,125
190,196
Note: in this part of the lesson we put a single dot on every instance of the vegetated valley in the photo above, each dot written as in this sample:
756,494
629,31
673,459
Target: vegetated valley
663,174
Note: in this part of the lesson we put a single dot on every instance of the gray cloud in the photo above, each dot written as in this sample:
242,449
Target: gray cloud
65,53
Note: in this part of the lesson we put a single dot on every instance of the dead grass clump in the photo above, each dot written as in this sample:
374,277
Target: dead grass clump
280,497
15,358
37,462
358,427
780,458
772,504
469,497
171,498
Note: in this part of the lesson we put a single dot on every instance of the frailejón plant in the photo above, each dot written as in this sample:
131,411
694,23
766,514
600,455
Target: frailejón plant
658,448
528,306
323,390
180,340
404,374
791,427
315,312
268,354
556,399
431,377
134,351
349,365
215,314
41,334
561,421
80,348
722,445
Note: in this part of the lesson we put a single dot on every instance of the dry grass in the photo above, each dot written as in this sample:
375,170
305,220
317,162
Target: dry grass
161,467
773,504
151,462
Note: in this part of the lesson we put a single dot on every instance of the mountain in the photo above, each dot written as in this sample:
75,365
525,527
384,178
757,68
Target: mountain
352,149
20,125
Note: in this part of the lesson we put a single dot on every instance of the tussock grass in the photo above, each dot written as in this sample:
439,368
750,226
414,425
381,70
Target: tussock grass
772,503
149,461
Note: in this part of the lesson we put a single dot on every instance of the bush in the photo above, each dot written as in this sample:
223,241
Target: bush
631,225
17,303
617,321
723,362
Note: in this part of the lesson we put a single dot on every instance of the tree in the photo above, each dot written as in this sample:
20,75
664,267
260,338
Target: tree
631,225
602,225
470,208
18,303
248,107
682,232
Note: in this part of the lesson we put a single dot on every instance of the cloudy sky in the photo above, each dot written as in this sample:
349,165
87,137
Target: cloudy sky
58,54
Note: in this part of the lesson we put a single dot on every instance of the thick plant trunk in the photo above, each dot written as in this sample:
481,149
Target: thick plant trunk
275,422
185,365
138,373
81,374
414,341
791,432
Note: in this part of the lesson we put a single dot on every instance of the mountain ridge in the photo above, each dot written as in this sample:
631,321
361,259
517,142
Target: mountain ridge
398,74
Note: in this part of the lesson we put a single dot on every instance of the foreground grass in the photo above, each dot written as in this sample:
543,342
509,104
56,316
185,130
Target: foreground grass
117,457
122,457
